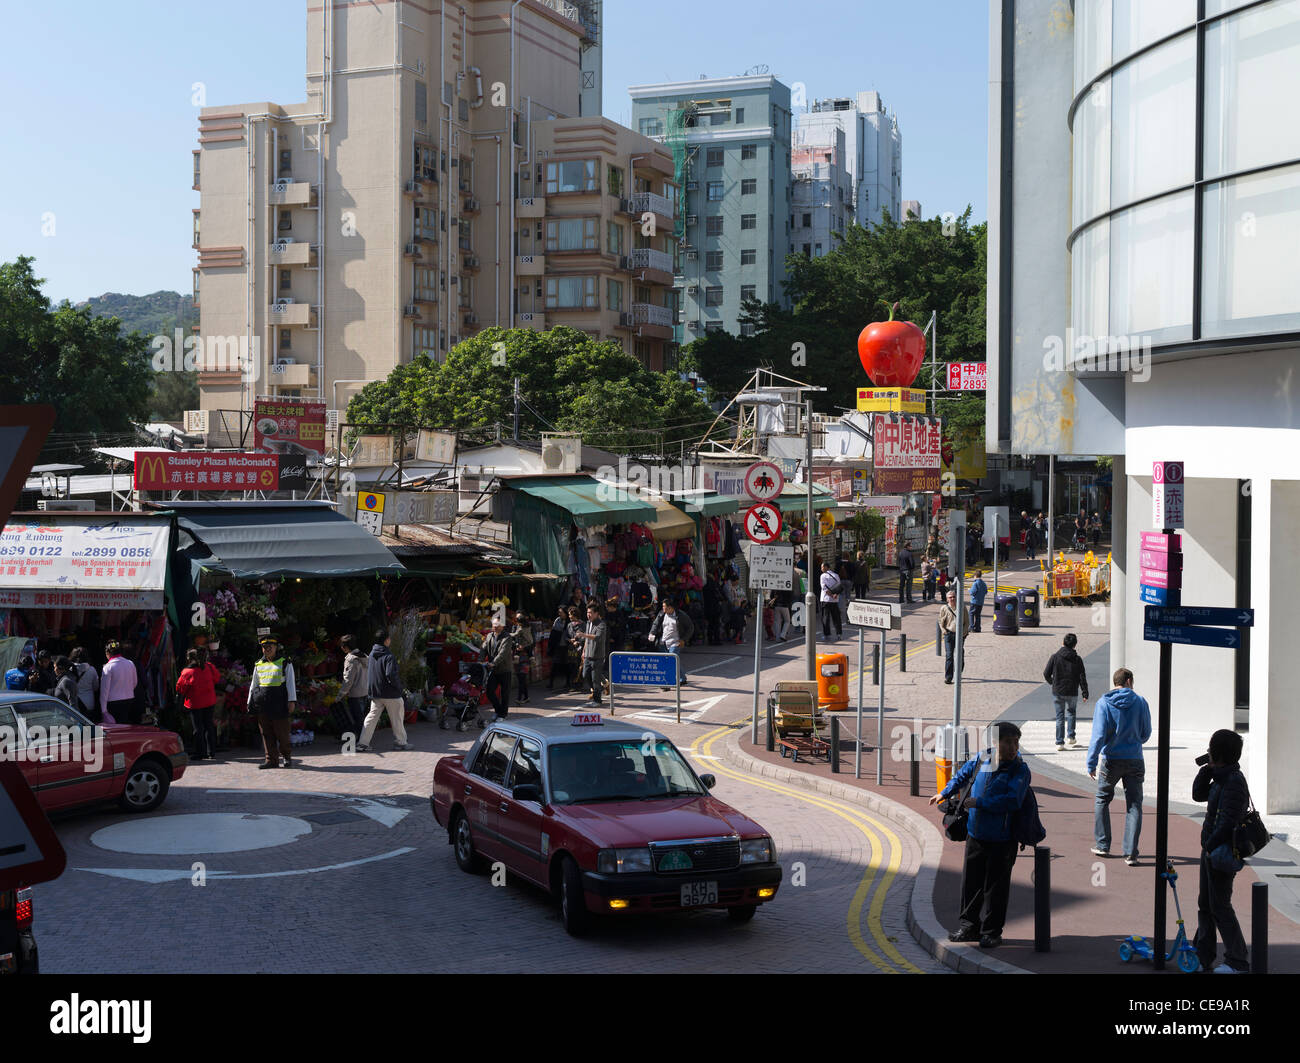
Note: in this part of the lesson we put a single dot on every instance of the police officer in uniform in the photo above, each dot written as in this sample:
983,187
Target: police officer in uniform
274,697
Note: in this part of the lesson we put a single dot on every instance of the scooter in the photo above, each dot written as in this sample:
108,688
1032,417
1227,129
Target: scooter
1188,960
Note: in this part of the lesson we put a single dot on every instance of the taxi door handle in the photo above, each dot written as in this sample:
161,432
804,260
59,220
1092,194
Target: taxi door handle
503,807
48,760
468,788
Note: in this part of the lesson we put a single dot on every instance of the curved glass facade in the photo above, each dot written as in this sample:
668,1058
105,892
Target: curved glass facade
1151,219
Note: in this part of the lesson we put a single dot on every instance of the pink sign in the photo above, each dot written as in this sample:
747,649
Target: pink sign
1162,542
1159,561
1152,578
968,376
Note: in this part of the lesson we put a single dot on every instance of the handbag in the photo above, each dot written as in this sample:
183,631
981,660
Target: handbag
1250,836
955,816
1224,859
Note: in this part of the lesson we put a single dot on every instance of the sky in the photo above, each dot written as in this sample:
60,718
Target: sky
100,114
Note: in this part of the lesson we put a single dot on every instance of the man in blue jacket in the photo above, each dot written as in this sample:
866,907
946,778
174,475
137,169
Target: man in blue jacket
999,781
978,592
1120,724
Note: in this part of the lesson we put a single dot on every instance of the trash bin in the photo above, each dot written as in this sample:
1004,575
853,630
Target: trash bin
1005,621
833,681
950,749
1027,606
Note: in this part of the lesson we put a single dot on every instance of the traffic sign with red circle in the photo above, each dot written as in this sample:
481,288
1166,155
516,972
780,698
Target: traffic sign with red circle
763,481
763,523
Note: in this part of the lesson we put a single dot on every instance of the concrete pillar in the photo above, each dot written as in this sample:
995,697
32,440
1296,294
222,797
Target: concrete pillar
1119,604
1274,592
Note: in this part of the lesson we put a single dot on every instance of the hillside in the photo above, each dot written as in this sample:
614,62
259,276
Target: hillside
151,314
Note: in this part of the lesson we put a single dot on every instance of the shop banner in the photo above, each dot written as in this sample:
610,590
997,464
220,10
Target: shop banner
419,507
912,443
725,479
290,422
888,506
891,400
128,555
81,599
838,481
381,450
891,540
968,376
905,481
436,446
215,471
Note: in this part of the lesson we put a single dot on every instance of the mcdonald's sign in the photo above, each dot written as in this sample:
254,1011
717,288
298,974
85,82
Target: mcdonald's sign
211,471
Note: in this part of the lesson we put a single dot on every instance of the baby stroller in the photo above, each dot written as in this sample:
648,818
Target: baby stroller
462,701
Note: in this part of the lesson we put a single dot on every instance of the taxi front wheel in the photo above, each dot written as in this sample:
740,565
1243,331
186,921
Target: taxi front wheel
742,913
573,904
463,842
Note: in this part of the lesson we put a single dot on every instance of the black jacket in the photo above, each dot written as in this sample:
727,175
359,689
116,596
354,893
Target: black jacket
905,561
382,677
1229,800
1065,672
685,629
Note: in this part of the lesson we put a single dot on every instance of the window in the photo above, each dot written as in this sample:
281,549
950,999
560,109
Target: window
748,291
613,238
713,326
748,257
286,162
641,350
426,284
713,296
426,223
571,293
749,221
527,770
748,151
714,191
614,180
651,127
713,261
572,234
285,224
749,186
641,294
807,250
807,221
576,175
713,157
421,103
818,249
423,341
425,164
740,115
613,295
746,328
286,280
720,117
492,762
286,339
463,110
713,225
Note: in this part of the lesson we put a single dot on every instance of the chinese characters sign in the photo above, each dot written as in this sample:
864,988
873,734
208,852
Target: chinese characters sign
891,400
914,443
302,423
968,376
57,564
205,470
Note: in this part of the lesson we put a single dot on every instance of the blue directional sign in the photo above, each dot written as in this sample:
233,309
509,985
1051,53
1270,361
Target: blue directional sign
1225,638
643,669
1201,616
1161,595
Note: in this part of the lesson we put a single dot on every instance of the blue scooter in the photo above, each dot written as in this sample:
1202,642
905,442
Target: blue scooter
1188,960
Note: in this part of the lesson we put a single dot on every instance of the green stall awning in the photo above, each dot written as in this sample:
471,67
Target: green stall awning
795,496
707,504
590,503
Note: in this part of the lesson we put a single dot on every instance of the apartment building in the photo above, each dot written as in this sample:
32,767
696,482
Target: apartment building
595,237
730,141
873,149
343,235
822,204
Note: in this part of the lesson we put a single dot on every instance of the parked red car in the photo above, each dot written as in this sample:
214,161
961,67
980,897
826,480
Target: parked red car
70,762
608,817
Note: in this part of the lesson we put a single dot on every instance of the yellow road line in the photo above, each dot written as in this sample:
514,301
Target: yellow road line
868,826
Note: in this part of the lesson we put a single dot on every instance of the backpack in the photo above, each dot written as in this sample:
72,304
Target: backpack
1026,828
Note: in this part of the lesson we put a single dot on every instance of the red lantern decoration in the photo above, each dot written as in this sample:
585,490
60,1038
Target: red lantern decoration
892,352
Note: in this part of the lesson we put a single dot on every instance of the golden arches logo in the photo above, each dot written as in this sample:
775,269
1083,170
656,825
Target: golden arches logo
152,469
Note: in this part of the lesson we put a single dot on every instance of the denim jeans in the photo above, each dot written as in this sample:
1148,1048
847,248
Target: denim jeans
1109,774
676,650
975,611
1065,707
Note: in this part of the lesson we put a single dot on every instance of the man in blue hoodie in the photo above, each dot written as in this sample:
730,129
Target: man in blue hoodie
1120,724
999,780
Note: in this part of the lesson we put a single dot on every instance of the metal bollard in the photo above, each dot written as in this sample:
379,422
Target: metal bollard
902,651
1042,899
771,727
916,768
1259,928
938,640
835,745
875,666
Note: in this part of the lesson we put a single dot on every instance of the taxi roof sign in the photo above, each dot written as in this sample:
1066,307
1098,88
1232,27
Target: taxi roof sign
586,719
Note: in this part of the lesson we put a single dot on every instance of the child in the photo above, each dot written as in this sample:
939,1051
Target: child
927,580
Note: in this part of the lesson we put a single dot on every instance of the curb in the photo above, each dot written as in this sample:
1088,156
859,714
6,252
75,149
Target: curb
922,923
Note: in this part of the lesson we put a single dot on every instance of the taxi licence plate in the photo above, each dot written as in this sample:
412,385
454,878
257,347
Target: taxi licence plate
697,893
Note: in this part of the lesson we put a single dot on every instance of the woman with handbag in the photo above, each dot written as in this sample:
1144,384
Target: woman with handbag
1222,784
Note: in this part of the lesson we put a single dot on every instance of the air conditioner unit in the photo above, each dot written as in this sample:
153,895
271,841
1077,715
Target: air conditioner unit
624,262
692,219
196,422
561,453
691,256
625,320
413,249
470,320
692,289
694,326
84,505
285,301
410,310
527,318
286,361
692,186
284,239
412,187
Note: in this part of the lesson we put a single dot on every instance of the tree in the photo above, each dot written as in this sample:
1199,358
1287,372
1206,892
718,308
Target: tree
96,377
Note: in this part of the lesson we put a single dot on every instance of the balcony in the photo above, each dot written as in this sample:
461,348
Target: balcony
534,320
653,320
286,193
291,313
292,375
531,207
641,203
471,206
470,320
469,263
656,267
421,191
425,295
292,253
530,265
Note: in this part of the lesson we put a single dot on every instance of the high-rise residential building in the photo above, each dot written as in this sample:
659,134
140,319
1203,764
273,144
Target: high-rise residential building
910,210
375,221
730,139
873,150
822,204
1144,244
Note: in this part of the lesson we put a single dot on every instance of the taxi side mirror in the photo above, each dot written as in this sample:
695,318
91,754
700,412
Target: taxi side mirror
527,792
709,781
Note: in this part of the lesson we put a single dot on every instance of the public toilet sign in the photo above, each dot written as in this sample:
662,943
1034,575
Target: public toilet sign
880,616
771,568
763,481
1224,638
1167,494
1202,616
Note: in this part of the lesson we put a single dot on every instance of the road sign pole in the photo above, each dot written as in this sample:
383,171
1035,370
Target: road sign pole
1162,800
857,756
677,689
758,661
880,714
957,663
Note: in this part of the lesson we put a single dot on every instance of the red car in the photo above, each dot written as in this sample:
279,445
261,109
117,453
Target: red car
608,817
70,762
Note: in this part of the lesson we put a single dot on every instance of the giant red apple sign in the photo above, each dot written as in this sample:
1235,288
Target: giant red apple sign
892,351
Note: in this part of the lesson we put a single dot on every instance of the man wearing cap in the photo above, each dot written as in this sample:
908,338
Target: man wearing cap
273,695
499,655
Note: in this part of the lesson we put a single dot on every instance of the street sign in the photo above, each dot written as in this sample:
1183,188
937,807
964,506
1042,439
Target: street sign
30,851
1222,637
881,616
1159,561
771,568
643,669
968,376
1167,494
1162,596
1202,616
763,523
372,521
371,501
1151,578
763,481
1161,542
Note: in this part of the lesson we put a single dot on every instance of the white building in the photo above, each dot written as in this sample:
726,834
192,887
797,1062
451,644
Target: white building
873,150
821,205
1143,191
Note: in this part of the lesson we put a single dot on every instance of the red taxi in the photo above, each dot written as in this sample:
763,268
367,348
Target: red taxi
70,762
608,817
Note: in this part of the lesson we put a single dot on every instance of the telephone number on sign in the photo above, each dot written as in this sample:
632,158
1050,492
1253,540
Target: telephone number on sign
112,551
31,551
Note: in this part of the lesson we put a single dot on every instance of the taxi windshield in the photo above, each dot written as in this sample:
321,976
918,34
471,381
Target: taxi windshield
625,770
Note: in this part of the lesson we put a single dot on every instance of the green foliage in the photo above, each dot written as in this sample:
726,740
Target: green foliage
95,376
867,524
159,313
572,382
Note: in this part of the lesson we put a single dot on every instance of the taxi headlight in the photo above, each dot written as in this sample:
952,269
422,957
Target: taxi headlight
757,851
613,861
